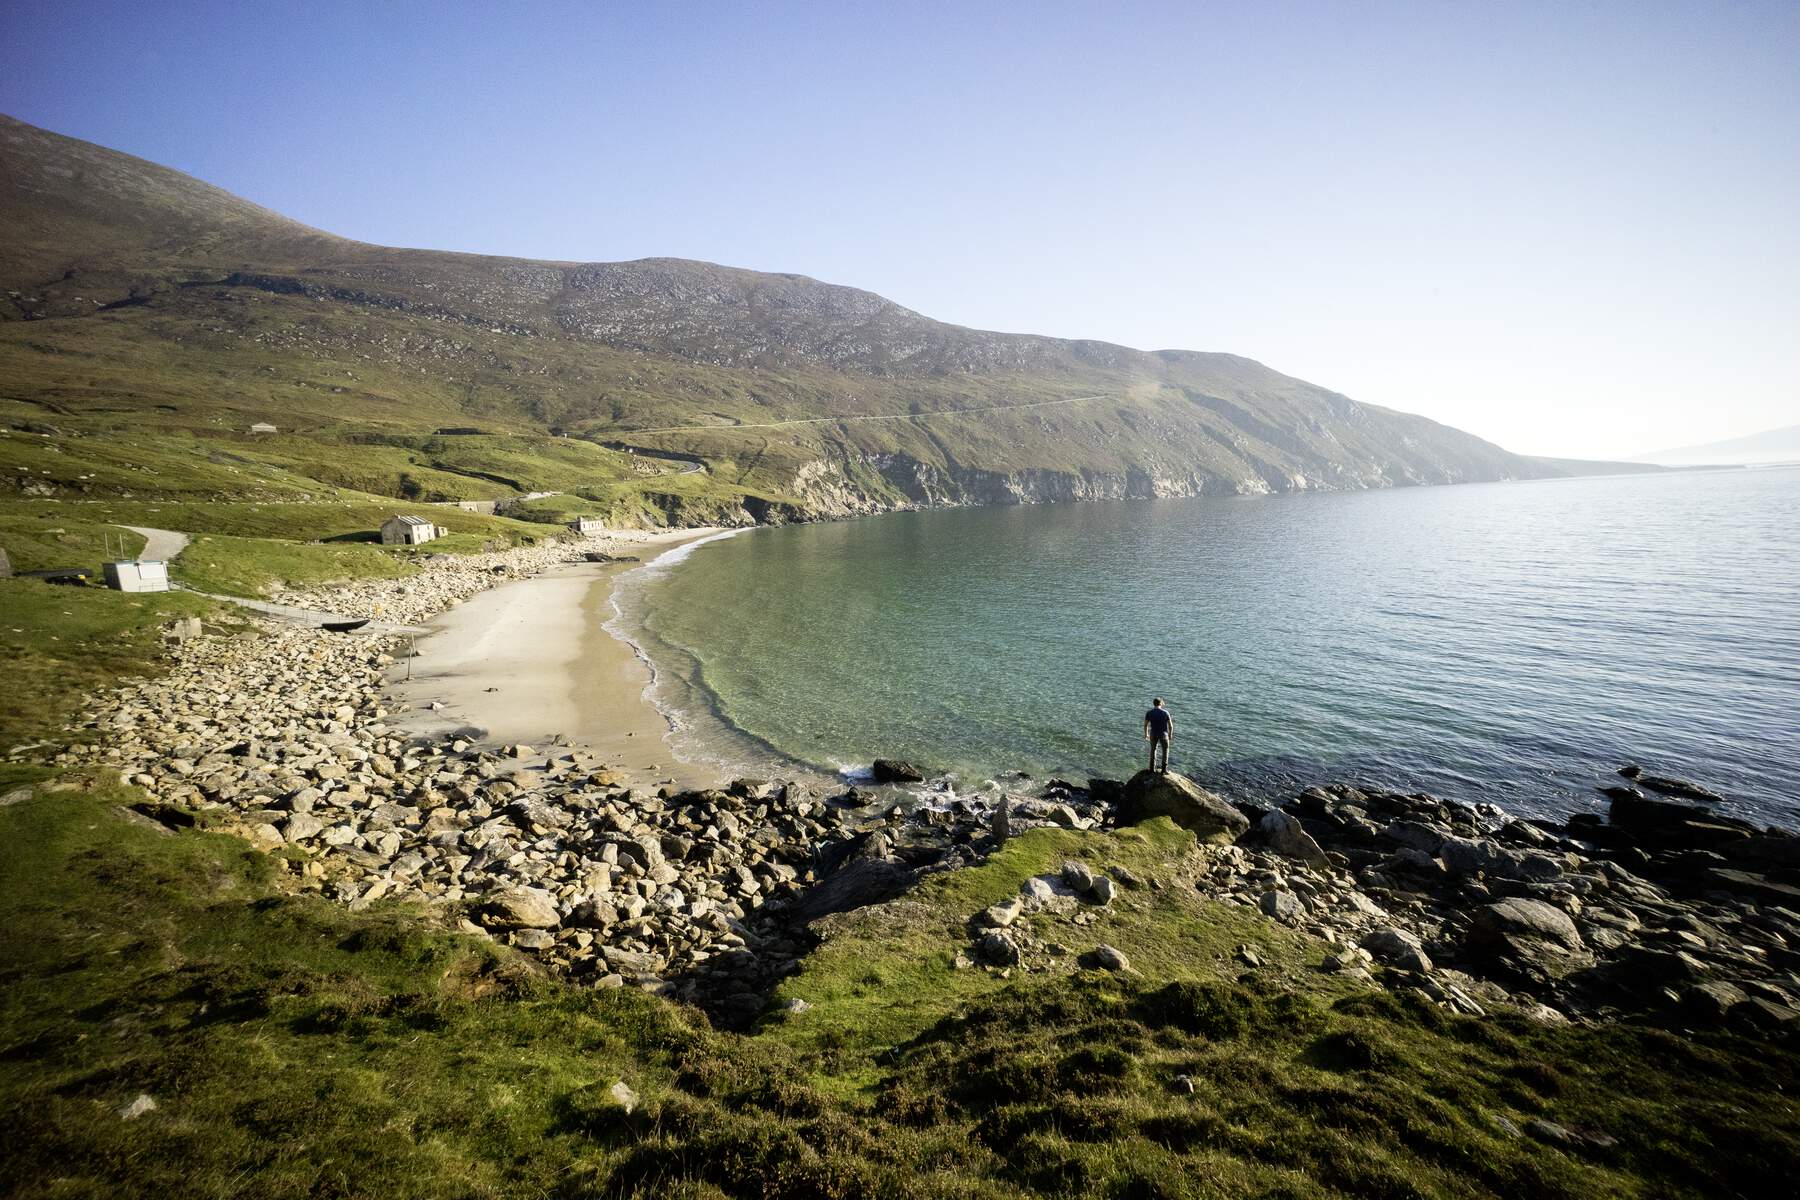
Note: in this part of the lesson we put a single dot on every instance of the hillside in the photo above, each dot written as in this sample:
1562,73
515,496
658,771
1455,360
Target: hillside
1769,446
137,303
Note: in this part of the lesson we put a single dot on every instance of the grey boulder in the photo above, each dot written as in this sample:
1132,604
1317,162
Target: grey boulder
525,907
1468,856
1106,958
1397,948
1532,937
997,949
893,770
1283,906
1286,836
1000,915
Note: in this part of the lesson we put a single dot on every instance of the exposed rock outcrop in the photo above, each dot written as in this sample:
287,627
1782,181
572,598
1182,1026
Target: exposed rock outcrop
1166,794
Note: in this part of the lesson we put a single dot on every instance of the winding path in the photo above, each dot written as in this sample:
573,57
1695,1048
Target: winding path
160,545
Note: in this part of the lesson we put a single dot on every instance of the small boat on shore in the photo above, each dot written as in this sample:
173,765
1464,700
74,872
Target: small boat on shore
344,626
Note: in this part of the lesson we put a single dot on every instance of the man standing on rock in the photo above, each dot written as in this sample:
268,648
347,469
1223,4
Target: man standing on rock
1159,729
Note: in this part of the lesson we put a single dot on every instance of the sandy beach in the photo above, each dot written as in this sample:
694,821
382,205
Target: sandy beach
529,662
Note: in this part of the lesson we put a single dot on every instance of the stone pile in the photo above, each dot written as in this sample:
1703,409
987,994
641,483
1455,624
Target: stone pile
541,850
446,579
1077,892
1666,906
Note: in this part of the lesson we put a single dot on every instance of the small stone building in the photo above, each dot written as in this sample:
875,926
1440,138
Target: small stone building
409,531
262,427
588,526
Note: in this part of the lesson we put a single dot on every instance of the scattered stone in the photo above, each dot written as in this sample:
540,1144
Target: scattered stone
1079,876
893,770
1107,958
623,1097
1283,906
1397,948
137,1107
301,826
997,950
1678,787
1001,915
1549,1131
1286,836
1712,1001
1469,856
1530,936
525,906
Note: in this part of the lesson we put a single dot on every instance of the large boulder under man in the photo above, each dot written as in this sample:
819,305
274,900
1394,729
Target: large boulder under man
1167,794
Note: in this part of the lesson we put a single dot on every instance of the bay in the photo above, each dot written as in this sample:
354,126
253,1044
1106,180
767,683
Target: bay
1505,642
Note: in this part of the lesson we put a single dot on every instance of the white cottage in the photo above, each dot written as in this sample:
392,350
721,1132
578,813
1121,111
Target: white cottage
262,427
408,531
588,526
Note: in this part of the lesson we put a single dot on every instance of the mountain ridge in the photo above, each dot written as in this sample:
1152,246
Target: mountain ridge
137,291
1781,444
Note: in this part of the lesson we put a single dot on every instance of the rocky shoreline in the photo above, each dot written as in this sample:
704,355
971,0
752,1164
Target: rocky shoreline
284,736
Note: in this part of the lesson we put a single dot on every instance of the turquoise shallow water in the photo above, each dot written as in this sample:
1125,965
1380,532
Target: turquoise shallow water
1506,642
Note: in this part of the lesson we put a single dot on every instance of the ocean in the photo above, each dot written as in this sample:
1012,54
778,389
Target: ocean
1512,643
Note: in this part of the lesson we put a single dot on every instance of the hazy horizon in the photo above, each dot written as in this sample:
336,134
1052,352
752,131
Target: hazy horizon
1566,232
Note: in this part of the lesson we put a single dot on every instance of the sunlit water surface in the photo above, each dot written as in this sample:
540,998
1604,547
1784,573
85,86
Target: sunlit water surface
1504,642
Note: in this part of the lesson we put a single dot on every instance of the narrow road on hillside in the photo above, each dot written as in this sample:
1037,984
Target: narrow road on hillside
919,416
160,545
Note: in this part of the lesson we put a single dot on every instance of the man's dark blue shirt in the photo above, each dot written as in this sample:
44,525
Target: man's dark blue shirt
1159,722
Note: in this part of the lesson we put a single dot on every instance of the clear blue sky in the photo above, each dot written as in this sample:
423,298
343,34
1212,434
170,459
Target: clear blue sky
1572,228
